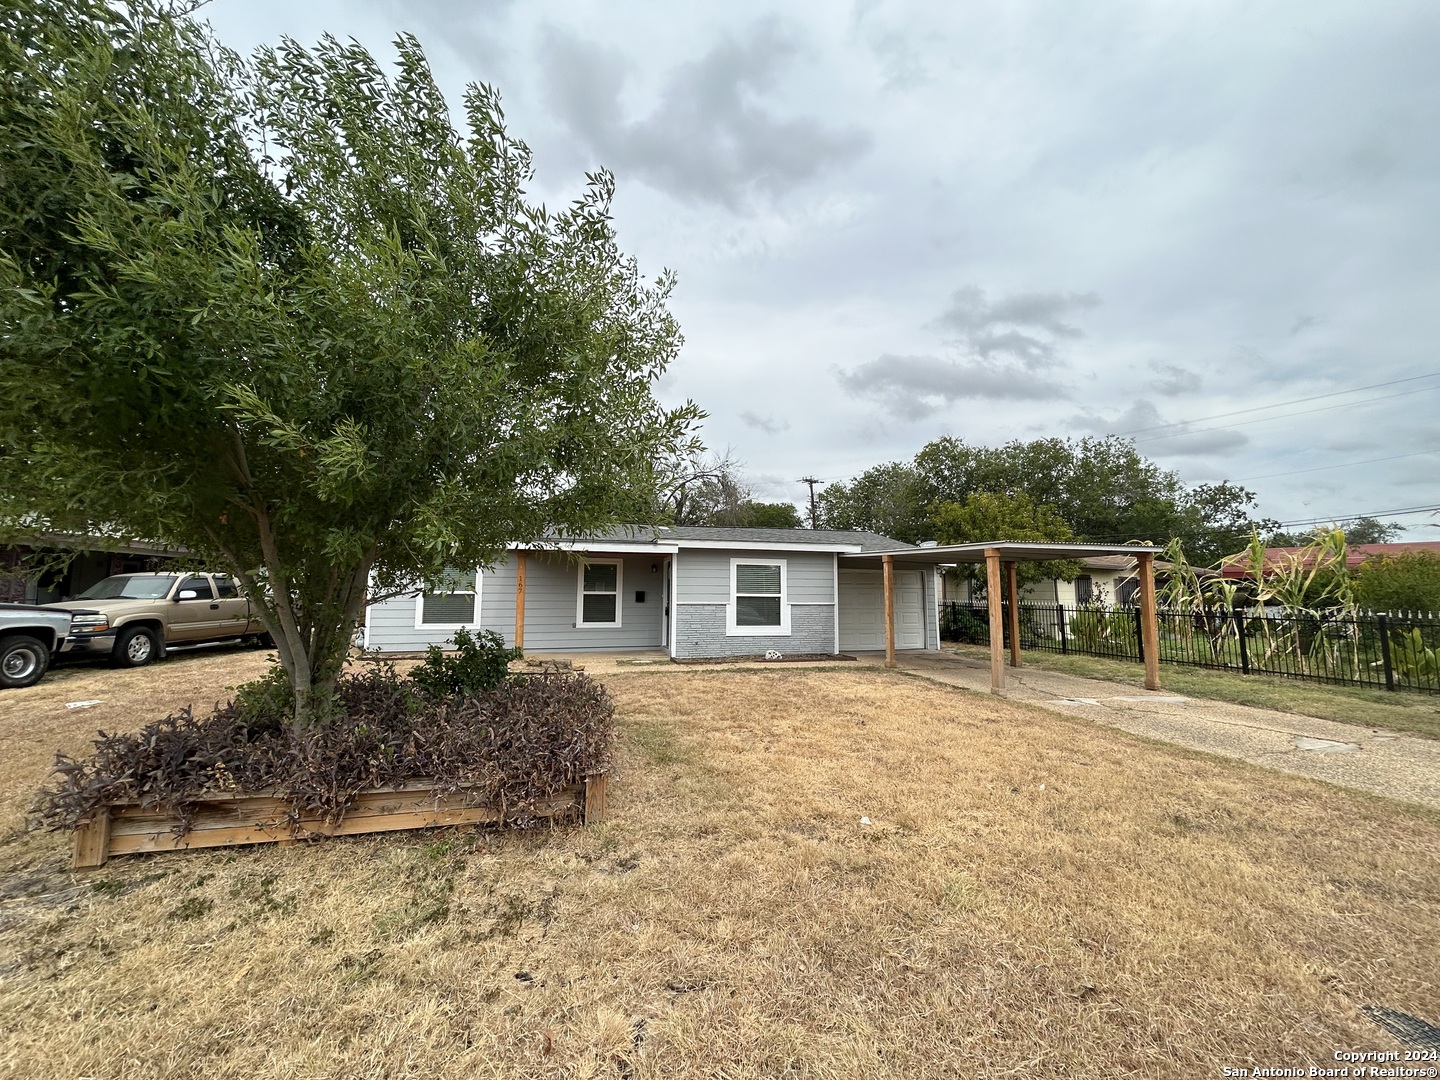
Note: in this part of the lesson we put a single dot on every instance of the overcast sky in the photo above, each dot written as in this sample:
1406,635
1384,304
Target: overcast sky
998,221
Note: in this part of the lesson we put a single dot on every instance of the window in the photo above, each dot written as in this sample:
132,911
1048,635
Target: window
225,585
200,585
453,603
1084,589
599,603
757,598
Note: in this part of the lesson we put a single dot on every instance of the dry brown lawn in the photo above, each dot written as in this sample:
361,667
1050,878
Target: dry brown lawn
1033,897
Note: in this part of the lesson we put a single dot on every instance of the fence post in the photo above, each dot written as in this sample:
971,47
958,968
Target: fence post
1064,640
1382,624
1139,635
1239,614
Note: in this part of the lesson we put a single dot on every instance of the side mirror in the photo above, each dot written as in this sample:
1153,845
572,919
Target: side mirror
187,594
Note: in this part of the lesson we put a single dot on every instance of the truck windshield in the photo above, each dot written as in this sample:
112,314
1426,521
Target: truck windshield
129,587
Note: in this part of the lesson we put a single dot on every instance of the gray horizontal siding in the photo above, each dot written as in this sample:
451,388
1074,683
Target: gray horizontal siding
700,632
703,577
551,592
392,622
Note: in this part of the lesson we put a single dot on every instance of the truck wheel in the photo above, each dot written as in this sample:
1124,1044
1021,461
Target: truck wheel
135,647
23,659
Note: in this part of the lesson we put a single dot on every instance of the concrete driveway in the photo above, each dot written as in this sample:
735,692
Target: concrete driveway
1369,759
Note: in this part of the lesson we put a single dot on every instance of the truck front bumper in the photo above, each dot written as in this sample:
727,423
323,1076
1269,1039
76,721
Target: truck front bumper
91,644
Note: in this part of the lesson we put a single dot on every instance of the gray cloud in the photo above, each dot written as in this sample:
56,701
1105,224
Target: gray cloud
1139,422
768,424
1173,379
710,137
1006,347
476,32
914,387
1024,326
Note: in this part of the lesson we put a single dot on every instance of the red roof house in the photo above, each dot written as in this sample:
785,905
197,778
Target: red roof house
1236,566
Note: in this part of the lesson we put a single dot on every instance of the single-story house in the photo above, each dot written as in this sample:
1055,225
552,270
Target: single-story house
695,592
715,592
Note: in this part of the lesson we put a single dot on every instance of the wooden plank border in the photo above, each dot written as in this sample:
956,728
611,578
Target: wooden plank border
233,818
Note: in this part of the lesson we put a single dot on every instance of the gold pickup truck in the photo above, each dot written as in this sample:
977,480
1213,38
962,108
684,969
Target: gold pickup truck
134,618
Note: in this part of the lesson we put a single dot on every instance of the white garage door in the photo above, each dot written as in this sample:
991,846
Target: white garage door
862,610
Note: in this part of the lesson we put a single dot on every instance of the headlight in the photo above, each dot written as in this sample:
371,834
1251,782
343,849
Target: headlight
90,624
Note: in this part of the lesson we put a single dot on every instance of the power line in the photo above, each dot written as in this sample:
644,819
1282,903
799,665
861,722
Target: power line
1277,405
1342,465
1283,416
1406,511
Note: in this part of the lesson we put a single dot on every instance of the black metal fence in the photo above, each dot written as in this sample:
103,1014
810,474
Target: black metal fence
1382,651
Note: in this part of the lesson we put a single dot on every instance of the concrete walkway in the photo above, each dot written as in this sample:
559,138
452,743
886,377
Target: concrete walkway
1369,759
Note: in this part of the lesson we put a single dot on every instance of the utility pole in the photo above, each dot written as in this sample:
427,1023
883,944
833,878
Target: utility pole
812,481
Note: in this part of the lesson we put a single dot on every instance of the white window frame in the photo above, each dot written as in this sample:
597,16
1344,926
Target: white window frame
580,622
783,630
421,624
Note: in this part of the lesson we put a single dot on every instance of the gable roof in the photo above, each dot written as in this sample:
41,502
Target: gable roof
864,541
668,538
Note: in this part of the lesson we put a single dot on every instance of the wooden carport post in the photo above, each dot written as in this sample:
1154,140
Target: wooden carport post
997,628
1149,630
888,562
1014,593
520,600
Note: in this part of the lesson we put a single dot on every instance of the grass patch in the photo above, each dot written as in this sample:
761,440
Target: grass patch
1028,896
1415,714
660,744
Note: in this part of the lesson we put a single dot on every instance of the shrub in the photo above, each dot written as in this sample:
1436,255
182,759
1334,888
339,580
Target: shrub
1415,663
511,746
1409,581
963,625
1096,630
479,663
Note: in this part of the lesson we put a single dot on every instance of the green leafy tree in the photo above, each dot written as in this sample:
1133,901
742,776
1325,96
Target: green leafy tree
1409,581
760,515
887,499
1105,490
994,516
1215,521
283,314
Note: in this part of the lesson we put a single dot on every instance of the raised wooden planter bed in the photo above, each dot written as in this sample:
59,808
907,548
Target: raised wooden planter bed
225,820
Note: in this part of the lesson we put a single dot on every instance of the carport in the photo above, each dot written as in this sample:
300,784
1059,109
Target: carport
1000,559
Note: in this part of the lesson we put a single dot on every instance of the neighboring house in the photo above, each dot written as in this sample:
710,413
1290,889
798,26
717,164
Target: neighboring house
695,592
1104,579
1237,566
80,562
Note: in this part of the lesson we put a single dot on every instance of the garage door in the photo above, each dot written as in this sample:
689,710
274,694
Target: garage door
862,610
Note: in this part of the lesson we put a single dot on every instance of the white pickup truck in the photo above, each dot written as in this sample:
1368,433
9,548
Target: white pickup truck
30,637
133,618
